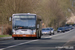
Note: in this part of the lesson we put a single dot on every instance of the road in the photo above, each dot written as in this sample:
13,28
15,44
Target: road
59,41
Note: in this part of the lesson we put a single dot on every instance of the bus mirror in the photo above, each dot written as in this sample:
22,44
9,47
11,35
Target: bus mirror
39,19
10,18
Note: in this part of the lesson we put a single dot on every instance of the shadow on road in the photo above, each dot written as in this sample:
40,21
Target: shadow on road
25,38
31,38
45,38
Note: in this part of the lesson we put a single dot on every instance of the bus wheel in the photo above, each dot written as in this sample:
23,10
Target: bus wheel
39,38
37,34
40,35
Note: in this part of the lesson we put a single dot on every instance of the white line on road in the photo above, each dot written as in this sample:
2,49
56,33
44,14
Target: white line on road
19,44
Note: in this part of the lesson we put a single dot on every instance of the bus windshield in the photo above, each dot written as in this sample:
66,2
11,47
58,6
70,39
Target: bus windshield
24,23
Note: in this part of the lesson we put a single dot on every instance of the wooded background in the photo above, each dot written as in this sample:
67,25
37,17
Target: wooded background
53,12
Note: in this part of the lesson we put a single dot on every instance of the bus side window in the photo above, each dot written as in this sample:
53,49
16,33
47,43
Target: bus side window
37,25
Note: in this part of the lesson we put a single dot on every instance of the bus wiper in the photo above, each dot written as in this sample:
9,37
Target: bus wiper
18,27
32,28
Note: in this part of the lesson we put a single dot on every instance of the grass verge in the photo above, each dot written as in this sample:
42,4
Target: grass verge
5,36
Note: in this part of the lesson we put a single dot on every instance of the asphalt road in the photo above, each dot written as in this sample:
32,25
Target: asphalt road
59,41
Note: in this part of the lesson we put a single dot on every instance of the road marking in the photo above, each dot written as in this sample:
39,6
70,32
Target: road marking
19,44
68,42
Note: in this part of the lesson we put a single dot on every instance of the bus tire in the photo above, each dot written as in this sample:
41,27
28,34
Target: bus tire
39,38
38,35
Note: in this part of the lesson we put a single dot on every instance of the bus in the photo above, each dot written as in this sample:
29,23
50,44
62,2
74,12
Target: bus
26,25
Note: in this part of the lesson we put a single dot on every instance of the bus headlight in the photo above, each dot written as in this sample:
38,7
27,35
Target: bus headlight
13,31
34,31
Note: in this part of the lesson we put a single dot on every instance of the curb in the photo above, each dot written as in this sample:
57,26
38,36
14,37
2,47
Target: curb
5,38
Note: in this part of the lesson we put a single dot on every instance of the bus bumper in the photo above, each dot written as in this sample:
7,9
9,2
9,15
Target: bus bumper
14,35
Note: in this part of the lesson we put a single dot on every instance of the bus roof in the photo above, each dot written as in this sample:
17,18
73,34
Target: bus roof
39,17
24,14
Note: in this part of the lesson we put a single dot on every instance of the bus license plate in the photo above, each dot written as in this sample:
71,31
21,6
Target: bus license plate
24,35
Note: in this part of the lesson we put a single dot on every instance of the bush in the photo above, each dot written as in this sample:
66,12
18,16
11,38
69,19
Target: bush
7,30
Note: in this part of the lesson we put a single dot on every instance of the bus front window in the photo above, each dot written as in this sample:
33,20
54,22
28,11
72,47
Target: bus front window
24,23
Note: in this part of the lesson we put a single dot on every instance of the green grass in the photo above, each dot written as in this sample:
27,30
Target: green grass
5,36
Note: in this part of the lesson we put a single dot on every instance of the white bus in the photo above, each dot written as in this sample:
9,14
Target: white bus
26,25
